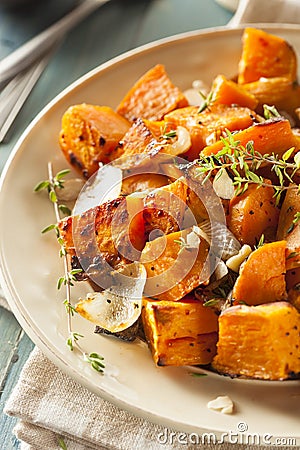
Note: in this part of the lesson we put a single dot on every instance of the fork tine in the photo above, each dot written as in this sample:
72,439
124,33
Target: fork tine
16,92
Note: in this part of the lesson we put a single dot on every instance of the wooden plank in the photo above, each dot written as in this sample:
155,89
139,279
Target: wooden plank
7,438
10,333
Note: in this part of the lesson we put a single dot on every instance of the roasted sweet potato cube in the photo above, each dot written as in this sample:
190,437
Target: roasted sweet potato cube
271,136
262,276
207,126
228,92
253,213
144,137
136,140
89,135
174,267
180,333
259,342
281,92
164,208
152,96
289,230
107,235
266,55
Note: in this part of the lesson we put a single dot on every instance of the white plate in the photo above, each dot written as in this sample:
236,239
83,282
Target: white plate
31,266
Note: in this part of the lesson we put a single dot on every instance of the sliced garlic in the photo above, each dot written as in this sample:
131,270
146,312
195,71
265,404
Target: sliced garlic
182,143
222,404
235,261
221,270
193,240
223,185
193,94
118,307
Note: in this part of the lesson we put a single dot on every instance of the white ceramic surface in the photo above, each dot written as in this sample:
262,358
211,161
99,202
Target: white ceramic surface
30,265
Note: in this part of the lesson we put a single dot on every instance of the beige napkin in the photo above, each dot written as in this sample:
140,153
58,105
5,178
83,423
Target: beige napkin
266,11
51,406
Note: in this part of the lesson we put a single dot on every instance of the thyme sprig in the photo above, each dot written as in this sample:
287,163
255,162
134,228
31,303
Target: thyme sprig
243,162
208,100
182,243
69,277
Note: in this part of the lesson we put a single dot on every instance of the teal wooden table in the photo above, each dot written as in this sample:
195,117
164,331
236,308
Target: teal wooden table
116,27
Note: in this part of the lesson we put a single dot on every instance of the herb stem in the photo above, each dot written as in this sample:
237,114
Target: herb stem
95,360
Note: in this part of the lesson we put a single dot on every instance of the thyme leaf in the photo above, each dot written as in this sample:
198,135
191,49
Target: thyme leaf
244,161
96,361
61,443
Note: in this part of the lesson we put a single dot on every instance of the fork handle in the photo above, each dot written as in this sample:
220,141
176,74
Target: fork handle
33,49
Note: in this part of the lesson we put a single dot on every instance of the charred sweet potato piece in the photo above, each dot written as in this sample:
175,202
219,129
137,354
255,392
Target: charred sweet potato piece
271,136
207,126
164,208
265,55
281,92
107,234
262,276
173,267
138,139
228,92
289,230
152,96
89,134
145,136
253,213
180,333
259,342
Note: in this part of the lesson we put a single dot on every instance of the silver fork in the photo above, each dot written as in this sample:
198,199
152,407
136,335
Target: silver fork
20,70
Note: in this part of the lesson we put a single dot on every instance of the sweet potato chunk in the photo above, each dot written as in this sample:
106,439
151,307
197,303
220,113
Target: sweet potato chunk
180,333
262,276
253,213
164,208
137,139
108,234
266,55
89,134
227,92
207,126
146,137
272,136
289,230
174,268
281,92
152,96
259,342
